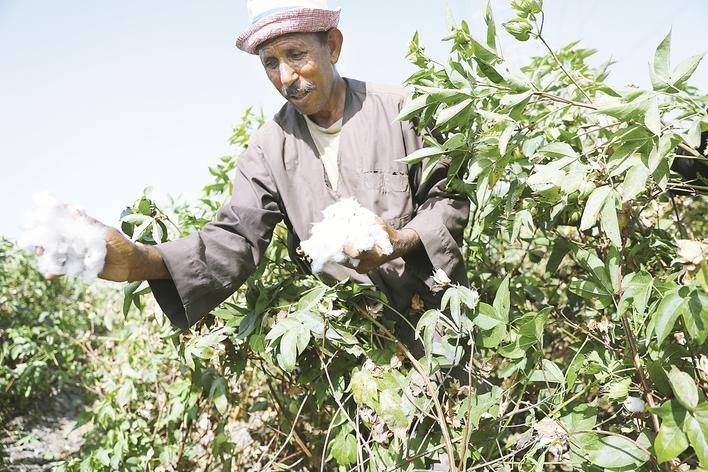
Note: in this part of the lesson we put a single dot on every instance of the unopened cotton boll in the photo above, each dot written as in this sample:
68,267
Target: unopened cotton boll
73,245
344,222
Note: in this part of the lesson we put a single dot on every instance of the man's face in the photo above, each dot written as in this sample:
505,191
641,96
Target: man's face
301,67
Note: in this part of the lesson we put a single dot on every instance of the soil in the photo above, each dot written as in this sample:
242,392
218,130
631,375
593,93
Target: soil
40,437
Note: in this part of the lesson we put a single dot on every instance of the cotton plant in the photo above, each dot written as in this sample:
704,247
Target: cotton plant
70,243
344,223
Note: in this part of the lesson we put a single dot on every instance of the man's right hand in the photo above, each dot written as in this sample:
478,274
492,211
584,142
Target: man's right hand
125,261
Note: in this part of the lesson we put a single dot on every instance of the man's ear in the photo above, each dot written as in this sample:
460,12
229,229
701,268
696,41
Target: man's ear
334,44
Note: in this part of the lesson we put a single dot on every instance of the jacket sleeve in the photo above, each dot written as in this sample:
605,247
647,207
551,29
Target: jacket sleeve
210,265
440,216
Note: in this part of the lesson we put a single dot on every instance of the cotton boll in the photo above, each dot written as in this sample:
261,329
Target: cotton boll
344,222
73,246
635,405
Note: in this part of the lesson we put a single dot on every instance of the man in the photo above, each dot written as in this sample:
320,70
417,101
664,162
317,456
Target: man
334,138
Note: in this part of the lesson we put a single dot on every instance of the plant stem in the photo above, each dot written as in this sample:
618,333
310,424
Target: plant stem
556,98
431,390
636,360
292,431
560,64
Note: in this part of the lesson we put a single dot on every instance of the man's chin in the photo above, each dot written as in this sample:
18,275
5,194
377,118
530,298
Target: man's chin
302,106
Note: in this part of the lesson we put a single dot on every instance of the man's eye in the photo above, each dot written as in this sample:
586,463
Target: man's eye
297,55
271,64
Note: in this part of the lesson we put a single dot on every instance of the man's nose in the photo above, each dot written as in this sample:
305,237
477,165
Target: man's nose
288,76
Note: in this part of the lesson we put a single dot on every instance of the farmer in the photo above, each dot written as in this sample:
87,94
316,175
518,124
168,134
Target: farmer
334,138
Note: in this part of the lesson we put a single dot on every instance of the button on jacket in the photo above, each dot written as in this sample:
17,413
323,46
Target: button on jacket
280,177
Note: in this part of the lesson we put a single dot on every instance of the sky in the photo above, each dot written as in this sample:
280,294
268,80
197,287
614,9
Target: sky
101,99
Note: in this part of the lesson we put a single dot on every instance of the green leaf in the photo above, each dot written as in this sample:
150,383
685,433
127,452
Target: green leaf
582,417
652,119
550,372
671,441
487,317
364,388
693,137
505,137
559,149
634,182
618,389
412,107
635,109
421,154
217,393
697,437
659,152
685,69
135,218
312,298
451,112
667,313
489,71
684,388
478,405
391,411
591,291
483,52
343,447
491,26
616,452
637,289
452,297
695,316
608,219
594,265
593,207
140,230
661,58
513,99
558,253
502,302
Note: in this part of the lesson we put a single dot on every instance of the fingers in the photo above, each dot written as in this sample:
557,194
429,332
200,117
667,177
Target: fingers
353,253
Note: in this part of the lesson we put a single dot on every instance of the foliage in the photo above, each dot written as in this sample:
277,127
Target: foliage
588,292
42,327
46,328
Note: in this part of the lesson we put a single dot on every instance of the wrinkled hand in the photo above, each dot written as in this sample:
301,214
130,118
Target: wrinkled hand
365,261
121,253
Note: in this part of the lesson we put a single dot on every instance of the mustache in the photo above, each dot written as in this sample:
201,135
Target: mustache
298,89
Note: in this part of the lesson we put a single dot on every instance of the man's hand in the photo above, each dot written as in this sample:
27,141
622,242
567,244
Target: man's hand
403,242
125,261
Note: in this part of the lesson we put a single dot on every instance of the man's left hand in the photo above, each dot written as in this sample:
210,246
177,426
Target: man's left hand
403,242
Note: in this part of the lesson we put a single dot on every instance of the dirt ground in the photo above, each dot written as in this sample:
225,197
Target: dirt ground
40,437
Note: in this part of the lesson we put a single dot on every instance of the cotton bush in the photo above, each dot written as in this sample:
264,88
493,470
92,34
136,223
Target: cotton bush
71,244
583,246
345,223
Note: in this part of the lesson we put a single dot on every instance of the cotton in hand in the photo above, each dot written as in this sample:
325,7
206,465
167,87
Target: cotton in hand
344,222
72,245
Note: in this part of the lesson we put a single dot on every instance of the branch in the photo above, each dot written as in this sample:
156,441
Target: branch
431,390
560,64
636,360
292,431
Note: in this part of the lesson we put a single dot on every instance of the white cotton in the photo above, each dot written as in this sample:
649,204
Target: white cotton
345,222
72,245
635,405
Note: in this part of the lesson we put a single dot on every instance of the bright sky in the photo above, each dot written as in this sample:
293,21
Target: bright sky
101,99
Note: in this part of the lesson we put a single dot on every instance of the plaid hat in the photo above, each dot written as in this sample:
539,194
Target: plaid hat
273,18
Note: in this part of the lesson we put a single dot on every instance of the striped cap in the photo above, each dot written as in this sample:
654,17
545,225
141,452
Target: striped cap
273,18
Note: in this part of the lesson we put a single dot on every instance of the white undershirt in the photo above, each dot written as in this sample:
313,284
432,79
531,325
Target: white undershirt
327,143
